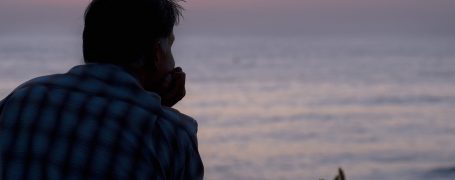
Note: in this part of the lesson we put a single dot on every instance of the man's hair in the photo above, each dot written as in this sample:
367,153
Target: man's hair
124,31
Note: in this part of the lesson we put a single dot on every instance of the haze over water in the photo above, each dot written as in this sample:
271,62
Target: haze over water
286,94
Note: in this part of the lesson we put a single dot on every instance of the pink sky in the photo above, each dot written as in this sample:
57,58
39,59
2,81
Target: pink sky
272,4
274,16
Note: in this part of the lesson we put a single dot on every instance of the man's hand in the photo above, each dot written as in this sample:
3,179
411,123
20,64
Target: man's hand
175,89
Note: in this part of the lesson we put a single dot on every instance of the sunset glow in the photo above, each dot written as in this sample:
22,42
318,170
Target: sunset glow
266,16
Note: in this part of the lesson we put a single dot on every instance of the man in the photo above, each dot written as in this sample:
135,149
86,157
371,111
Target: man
110,118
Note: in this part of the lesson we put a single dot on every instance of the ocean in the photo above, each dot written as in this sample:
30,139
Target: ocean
292,108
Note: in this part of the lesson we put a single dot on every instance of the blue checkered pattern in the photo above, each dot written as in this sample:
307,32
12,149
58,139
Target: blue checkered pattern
94,122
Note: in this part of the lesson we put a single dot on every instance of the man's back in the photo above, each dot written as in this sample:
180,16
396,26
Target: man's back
94,122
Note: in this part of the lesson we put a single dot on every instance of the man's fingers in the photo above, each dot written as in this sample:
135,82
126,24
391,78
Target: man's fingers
177,69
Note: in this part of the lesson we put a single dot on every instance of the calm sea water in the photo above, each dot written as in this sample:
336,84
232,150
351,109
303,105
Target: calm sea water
298,108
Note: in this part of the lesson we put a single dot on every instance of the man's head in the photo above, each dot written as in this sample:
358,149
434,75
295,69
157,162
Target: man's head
138,35
126,32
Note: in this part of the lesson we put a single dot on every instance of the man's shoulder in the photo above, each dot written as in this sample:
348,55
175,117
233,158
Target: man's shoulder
28,89
96,81
97,92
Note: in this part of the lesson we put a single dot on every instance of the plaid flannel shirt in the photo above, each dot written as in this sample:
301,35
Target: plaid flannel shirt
94,122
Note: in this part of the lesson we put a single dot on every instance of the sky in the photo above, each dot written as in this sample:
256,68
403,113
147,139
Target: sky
254,17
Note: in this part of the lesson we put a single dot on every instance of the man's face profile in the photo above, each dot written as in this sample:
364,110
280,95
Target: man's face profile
164,62
165,80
